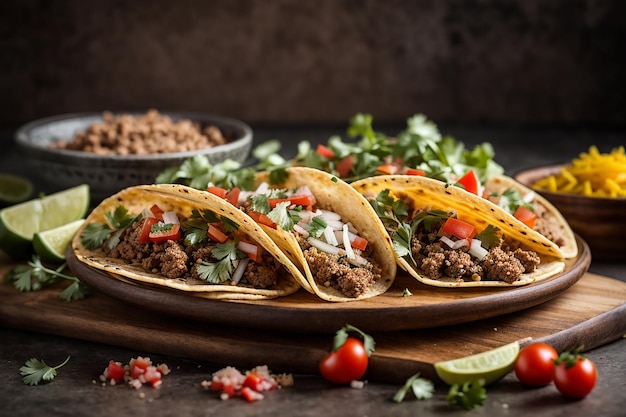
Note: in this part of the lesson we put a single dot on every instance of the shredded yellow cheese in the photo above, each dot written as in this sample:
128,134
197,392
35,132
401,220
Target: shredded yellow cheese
592,174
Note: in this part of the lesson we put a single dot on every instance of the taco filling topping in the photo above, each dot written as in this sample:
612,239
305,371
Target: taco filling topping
203,247
337,256
441,246
530,212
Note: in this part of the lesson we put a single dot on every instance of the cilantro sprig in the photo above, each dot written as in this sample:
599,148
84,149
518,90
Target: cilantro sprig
94,235
34,276
468,395
198,172
421,388
36,370
226,255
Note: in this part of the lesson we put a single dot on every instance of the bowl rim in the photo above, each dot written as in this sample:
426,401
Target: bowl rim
554,167
22,135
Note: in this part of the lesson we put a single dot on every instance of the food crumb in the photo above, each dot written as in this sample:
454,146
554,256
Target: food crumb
356,384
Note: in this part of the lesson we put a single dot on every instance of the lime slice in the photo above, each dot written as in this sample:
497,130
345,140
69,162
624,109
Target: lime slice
490,366
51,244
14,188
20,222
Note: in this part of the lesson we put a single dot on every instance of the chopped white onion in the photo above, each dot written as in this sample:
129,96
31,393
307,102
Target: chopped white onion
325,247
346,242
300,229
263,188
305,190
529,197
358,261
247,247
330,215
329,235
476,249
146,213
307,215
447,241
170,217
461,243
352,229
334,224
239,270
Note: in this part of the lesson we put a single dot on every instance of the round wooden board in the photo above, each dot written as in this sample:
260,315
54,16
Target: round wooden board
427,307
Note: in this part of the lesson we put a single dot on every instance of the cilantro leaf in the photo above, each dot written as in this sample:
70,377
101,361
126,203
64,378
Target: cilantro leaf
467,396
318,225
95,234
489,236
423,389
221,271
282,217
36,370
511,199
260,203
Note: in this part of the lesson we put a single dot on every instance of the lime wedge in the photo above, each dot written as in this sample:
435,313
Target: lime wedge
14,188
491,366
20,222
51,244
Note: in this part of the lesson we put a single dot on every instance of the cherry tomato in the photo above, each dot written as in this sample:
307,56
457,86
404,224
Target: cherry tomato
534,365
345,364
575,375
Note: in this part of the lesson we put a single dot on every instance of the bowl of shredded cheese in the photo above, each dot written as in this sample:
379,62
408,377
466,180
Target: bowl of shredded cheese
590,192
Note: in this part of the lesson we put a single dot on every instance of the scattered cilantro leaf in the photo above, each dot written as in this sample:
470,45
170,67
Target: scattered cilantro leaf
96,234
318,225
198,172
511,199
221,271
467,396
35,275
36,370
422,388
260,203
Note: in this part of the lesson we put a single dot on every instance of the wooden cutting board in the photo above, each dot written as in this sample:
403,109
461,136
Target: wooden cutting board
591,313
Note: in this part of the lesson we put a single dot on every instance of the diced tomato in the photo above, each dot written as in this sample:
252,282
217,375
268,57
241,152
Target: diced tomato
415,172
162,234
325,151
253,381
470,182
304,200
388,169
115,371
233,196
218,191
359,243
216,234
157,211
526,216
136,372
345,165
152,375
459,228
216,385
146,228
261,218
250,395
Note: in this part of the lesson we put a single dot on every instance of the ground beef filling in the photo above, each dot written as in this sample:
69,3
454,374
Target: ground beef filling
173,260
335,271
503,263
546,226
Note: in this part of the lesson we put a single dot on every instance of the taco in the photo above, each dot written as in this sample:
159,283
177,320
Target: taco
178,238
542,216
447,237
327,229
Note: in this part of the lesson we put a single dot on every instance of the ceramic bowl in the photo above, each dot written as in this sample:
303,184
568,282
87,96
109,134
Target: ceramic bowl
59,169
600,221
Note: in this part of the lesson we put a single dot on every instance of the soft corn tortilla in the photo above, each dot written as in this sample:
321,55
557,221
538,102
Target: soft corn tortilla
500,183
335,195
428,192
183,200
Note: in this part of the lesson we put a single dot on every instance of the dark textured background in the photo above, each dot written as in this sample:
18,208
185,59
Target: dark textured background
459,61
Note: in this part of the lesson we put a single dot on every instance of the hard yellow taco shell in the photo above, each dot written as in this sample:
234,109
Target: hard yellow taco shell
335,195
428,192
183,200
500,183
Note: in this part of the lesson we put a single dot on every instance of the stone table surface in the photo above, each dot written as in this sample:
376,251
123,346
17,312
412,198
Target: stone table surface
75,390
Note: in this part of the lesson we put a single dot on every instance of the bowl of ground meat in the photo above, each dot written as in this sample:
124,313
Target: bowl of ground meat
114,150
